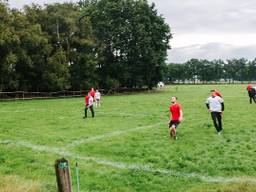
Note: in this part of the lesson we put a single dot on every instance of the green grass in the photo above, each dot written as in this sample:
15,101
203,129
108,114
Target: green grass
117,152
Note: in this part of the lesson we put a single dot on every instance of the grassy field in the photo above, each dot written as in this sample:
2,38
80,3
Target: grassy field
126,146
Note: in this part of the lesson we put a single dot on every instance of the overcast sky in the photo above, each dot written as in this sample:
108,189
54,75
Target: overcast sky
207,29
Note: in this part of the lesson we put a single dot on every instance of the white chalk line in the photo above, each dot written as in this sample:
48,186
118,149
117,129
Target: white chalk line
111,134
127,114
130,166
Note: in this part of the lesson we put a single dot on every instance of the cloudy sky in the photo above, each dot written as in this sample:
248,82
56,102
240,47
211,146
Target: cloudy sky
207,29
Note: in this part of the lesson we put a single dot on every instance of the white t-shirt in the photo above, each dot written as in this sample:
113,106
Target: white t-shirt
90,103
214,103
97,95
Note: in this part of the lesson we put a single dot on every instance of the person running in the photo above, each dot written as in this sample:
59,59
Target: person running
215,105
251,93
88,105
176,116
97,98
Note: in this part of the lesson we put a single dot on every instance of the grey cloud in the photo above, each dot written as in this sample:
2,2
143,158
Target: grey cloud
185,16
200,16
209,17
211,51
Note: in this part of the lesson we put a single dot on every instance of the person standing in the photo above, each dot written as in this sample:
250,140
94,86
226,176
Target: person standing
97,98
92,93
254,92
88,105
176,116
215,105
251,93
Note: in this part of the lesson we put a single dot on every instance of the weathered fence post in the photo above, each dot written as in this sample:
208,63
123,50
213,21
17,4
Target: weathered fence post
63,175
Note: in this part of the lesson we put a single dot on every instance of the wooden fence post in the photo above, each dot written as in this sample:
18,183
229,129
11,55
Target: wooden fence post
62,170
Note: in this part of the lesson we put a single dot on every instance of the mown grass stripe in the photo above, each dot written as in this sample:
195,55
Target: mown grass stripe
129,166
111,134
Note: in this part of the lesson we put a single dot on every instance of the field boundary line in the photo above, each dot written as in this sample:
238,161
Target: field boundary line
130,166
126,114
110,134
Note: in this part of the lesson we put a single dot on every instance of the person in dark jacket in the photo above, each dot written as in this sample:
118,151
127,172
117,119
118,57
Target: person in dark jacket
251,93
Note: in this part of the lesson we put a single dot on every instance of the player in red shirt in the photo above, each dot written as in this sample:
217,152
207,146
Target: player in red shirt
92,92
86,100
217,93
176,116
250,93
249,87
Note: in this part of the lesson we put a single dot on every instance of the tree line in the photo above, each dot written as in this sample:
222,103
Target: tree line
205,71
75,46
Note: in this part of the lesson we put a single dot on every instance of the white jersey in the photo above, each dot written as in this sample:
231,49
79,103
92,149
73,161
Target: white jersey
90,102
97,95
215,103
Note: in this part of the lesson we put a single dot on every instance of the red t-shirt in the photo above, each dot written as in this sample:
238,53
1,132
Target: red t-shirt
92,93
249,88
217,93
175,111
86,100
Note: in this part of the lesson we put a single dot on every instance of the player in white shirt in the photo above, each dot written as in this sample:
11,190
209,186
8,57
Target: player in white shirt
97,98
215,105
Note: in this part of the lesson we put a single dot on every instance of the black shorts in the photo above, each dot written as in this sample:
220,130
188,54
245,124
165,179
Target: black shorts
250,94
176,123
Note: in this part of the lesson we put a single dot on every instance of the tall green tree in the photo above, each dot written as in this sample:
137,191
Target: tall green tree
193,69
175,72
132,41
8,41
72,45
32,52
236,69
252,70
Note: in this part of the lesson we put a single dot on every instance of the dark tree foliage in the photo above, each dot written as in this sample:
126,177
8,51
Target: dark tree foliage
105,43
132,42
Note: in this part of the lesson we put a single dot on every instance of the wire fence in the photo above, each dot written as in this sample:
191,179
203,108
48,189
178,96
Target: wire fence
24,95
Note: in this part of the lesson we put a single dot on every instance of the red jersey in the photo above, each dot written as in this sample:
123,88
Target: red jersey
175,111
249,88
86,100
92,93
217,93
